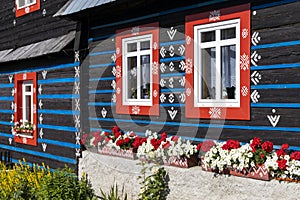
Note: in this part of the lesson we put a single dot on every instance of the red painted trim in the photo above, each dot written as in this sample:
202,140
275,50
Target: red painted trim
126,33
18,80
243,112
29,9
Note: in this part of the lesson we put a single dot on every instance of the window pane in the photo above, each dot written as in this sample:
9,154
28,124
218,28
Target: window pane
132,77
28,108
145,45
208,71
131,47
208,36
228,33
228,61
145,76
27,88
21,3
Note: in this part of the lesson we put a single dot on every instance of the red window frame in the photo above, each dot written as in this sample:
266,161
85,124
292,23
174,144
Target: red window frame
241,12
19,79
28,9
132,32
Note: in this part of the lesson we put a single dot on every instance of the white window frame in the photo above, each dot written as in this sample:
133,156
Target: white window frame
27,3
125,73
218,43
24,95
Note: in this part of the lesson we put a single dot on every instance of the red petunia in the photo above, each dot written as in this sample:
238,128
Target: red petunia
117,134
199,146
115,129
280,152
132,134
106,134
107,140
231,144
282,164
155,143
143,140
284,146
166,145
127,140
207,145
163,135
120,142
267,146
83,139
175,138
256,142
295,155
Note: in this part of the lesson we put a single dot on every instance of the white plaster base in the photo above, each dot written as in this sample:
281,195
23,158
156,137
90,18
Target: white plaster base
189,184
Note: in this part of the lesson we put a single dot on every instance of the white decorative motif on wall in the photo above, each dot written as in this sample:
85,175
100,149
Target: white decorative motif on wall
114,98
244,91
255,39
171,67
188,40
41,133
12,106
182,65
44,12
189,66
182,81
114,57
10,78
76,56
10,141
12,92
163,98
135,30
114,71
244,62
41,118
118,71
155,68
162,83
103,112
40,104
181,49
77,121
171,51
182,97
118,90
44,74
273,119
135,110
77,87
77,104
172,113
77,71
155,93
12,117
12,130
44,146
255,57
171,98
14,22
163,52
155,45
188,92
245,33
40,89
255,77
215,113
24,140
172,33
255,96
171,81
163,67
214,15
113,84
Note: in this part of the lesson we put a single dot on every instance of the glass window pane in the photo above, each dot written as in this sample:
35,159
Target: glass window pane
28,108
27,88
21,3
228,33
132,77
208,71
145,77
208,36
131,47
228,62
145,45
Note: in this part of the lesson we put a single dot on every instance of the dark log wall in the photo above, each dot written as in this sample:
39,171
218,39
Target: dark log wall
32,27
58,84
275,88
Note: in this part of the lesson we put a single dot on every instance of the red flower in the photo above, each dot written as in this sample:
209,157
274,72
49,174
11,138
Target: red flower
267,146
231,144
83,140
115,129
207,145
132,134
137,142
163,136
199,146
106,134
127,140
175,138
284,146
281,164
143,140
155,143
280,153
295,155
166,145
262,155
255,143
120,142
107,140
117,134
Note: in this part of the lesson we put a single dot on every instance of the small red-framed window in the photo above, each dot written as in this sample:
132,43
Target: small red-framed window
137,70
218,64
24,7
25,116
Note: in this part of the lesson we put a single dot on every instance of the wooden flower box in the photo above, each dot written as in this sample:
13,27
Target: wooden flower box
258,172
182,162
24,133
123,153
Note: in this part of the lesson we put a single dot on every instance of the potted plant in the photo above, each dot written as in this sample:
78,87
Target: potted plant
23,128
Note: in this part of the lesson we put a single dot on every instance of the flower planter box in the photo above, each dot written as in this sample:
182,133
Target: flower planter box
288,180
208,169
259,172
124,153
182,162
